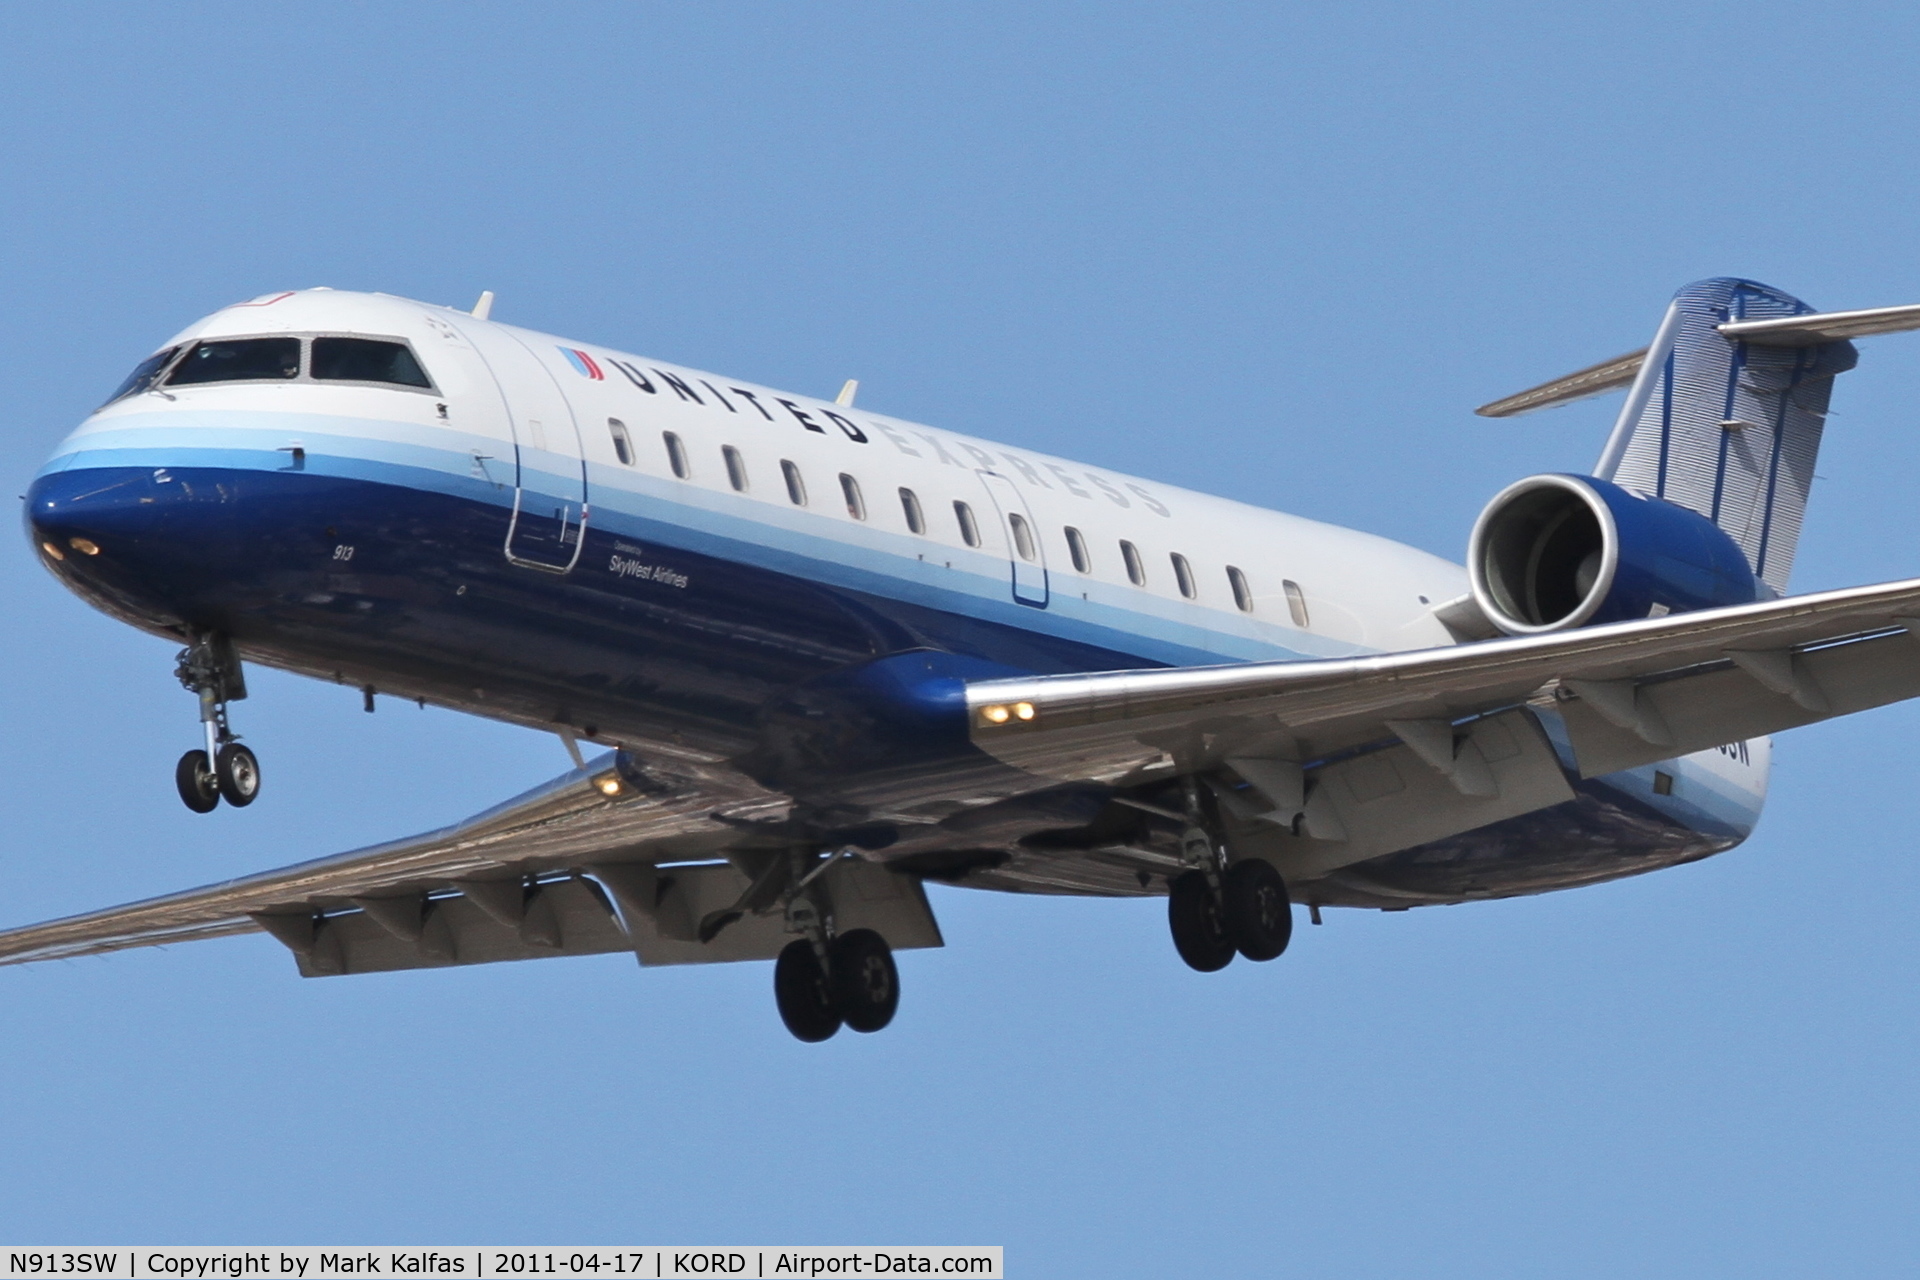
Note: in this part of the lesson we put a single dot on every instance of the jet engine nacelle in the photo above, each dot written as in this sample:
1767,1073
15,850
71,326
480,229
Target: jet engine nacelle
1555,552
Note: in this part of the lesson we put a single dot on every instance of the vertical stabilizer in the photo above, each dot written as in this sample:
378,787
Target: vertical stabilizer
1726,427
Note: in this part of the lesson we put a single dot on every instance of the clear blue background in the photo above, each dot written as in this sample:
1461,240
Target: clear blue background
1274,253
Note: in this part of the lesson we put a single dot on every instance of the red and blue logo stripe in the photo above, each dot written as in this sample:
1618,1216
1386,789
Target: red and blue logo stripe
583,362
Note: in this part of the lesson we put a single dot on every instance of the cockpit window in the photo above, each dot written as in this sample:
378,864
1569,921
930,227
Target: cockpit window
367,360
143,374
239,360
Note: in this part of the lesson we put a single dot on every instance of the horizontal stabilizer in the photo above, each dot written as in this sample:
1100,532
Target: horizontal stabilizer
1828,326
1779,331
1591,381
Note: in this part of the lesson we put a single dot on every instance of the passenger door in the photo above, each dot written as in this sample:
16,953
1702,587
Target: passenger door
1021,536
547,527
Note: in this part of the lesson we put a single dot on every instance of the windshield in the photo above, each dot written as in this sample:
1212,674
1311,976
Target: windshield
239,360
367,360
143,374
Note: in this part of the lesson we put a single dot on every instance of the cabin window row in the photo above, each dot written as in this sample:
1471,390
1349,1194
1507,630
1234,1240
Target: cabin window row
1025,543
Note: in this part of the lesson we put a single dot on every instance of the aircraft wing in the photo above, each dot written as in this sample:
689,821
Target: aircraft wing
602,859
682,867
1630,693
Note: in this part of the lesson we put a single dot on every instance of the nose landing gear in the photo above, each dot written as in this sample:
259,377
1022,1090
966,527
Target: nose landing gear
223,769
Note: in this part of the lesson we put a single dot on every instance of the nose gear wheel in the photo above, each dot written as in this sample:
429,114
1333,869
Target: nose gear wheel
199,787
238,773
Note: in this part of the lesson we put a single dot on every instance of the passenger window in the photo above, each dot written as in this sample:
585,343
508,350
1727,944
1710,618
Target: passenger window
1296,602
916,520
850,490
1183,574
969,531
796,487
239,360
1022,536
1077,548
1242,593
1136,568
143,375
736,468
367,360
676,455
622,446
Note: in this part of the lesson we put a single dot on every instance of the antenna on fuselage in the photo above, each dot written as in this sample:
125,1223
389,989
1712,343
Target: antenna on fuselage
845,398
483,308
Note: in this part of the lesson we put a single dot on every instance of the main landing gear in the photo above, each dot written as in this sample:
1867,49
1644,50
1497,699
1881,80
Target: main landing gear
223,769
823,980
1217,910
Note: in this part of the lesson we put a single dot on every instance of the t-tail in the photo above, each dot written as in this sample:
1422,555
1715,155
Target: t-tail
1726,409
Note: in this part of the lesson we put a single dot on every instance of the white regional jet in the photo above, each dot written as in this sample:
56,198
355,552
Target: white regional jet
835,655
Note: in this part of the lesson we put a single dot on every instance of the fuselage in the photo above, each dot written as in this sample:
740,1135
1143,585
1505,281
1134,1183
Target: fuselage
564,536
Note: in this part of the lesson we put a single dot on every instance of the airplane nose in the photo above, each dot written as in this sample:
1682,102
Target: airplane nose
114,536
81,513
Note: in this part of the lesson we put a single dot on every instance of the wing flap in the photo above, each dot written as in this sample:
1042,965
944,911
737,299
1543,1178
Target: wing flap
576,915
1396,798
1729,703
664,906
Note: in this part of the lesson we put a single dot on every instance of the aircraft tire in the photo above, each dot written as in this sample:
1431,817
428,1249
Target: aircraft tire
199,787
866,985
1259,913
803,994
238,771
1199,925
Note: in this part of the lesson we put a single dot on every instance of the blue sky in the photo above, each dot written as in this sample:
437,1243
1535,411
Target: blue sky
1273,252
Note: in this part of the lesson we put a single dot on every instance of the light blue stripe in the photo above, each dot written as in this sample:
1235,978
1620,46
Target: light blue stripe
658,511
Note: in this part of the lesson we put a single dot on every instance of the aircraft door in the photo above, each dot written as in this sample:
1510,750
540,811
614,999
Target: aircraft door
547,527
1021,536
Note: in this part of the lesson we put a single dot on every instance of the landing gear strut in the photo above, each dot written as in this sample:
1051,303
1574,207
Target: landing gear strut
823,980
223,769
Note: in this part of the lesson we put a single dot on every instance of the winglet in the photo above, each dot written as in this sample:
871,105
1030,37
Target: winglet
845,398
483,308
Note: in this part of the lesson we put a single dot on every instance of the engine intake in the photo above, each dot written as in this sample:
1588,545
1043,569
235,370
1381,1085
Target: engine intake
1555,552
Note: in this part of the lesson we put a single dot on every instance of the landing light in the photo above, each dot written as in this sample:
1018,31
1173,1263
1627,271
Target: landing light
1000,713
53,551
85,546
609,785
